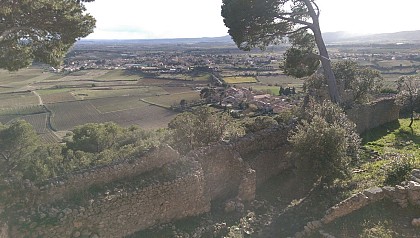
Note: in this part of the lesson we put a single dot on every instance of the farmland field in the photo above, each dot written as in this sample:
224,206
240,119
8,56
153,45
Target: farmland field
280,80
174,99
97,96
113,104
17,99
239,79
57,97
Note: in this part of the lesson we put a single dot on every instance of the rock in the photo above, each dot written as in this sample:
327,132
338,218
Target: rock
76,234
413,185
230,206
94,236
416,222
414,193
345,207
374,194
416,173
86,233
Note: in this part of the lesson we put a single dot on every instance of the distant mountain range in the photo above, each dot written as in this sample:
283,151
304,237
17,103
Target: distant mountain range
382,38
329,38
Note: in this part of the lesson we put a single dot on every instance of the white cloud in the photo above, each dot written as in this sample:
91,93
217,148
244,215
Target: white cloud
157,18
198,18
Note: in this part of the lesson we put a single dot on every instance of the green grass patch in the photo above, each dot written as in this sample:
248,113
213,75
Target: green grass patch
396,137
280,80
388,150
240,79
273,90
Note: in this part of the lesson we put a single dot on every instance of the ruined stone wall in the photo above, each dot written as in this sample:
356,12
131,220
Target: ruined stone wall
227,165
61,187
223,169
117,200
374,114
268,156
175,192
402,195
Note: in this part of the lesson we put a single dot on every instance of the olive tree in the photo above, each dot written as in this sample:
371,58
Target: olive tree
40,30
325,142
254,23
409,95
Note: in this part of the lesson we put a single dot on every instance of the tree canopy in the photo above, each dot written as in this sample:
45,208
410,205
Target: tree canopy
254,23
40,30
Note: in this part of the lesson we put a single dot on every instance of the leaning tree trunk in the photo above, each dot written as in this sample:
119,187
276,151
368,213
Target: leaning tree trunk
325,59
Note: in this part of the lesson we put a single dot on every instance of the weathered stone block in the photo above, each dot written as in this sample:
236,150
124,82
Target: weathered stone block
374,194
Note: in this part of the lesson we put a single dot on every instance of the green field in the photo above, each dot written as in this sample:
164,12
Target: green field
280,80
239,79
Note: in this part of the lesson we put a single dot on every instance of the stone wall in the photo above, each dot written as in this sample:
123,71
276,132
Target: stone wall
374,114
402,195
223,168
59,188
120,199
174,192
267,157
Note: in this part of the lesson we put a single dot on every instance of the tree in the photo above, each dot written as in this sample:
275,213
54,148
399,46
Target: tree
202,126
409,95
17,143
40,30
362,81
95,138
254,23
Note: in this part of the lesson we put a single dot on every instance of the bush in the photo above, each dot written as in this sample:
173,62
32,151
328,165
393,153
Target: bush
325,142
399,171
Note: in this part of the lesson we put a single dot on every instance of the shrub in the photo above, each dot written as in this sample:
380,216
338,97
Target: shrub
399,171
202,126
325,142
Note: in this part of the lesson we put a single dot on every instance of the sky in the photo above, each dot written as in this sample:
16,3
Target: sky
153,19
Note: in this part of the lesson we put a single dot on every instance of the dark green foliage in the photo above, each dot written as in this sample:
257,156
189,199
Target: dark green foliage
301,59
22,156
17,142
361,81
399,171
95,138
325,142
251,23
258,123
40,30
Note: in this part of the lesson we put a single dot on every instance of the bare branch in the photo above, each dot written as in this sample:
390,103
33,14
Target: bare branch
297,21
295,31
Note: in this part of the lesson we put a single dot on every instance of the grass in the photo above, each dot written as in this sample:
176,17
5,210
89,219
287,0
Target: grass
280,80
393,139
384,148
239,79
384,219
273,90
174,99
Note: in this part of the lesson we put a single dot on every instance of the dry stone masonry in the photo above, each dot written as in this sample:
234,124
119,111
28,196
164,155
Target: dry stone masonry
402,195
120,199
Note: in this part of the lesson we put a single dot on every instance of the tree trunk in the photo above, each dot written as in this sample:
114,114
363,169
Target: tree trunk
325,59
